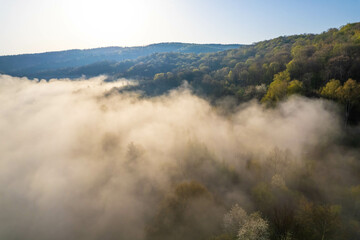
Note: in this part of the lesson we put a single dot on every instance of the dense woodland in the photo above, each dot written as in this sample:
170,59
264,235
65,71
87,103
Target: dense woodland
268,70
279,196
292,199
323,65
42,64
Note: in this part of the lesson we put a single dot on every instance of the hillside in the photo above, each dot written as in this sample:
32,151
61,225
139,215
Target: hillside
312,59
34,64
268,70
314,65
309,58
184,141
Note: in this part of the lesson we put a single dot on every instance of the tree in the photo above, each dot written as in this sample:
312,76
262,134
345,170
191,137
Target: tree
355,200
254,228
281,87
159,76
276,92
349,95
295,87
231,76
188,212
330,89
282,76
233,219
317,221
239,225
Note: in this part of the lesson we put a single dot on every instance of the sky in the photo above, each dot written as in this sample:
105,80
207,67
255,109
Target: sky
31,26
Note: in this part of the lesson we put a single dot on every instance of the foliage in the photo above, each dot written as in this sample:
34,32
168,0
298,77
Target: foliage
318,221
276,92
298,64
348,94
239,225
255,228
42,65
331,89
295,87
297,198
233,219
186,213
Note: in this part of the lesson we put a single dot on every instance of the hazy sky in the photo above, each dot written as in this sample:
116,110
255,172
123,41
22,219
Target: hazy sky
46,25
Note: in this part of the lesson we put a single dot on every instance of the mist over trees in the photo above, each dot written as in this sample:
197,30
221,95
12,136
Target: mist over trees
173,166
299,64
255,143
268,71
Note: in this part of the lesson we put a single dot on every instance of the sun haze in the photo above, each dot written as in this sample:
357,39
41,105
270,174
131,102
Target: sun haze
49,25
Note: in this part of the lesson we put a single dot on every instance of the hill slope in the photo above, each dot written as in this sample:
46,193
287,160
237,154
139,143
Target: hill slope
34,64
269,70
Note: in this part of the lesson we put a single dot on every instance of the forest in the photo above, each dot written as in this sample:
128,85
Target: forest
324,65
260,142
313,65
37,64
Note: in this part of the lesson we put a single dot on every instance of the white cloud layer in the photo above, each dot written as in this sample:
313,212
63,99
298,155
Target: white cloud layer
77,163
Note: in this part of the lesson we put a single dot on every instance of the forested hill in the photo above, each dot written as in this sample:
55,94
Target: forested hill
35,64
311,59
314,65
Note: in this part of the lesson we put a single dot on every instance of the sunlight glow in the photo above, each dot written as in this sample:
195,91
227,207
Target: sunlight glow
29,26
109,21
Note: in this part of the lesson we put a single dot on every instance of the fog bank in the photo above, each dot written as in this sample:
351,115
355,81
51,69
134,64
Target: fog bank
81,161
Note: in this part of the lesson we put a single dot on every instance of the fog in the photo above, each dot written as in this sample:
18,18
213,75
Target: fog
79,160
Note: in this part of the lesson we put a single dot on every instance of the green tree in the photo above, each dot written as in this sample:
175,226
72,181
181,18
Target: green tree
295,87
283,76
276,92
349,95
159,76
331,89
317,221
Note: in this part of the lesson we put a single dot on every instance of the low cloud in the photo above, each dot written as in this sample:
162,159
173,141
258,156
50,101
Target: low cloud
82,161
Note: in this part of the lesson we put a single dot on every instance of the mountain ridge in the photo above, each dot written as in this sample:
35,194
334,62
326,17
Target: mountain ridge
27,64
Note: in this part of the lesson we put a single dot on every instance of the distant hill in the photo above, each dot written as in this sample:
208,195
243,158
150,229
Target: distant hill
314,65
306,60
33,65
